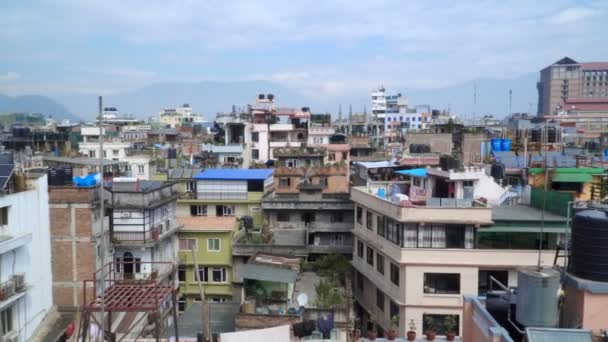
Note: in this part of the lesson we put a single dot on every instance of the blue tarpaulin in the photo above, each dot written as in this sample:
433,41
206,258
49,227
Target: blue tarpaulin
421,172
91,179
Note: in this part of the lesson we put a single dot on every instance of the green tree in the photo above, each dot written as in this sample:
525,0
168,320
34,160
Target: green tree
328,295
333,267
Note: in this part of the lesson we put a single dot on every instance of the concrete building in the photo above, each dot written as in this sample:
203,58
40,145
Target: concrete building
227,156
179,117
26,288
227,193
414,261
568,86
211,237
113,147
143,225
309,208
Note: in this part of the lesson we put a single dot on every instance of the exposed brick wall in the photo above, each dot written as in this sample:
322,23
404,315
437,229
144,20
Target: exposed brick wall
84,220
62,261
72,194
60,221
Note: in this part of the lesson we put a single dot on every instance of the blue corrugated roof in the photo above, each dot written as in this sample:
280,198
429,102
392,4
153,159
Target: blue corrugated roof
558,335
235,174
420,172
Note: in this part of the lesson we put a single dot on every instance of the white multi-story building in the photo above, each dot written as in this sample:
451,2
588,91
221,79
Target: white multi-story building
143,226
384,105
113,147
26,295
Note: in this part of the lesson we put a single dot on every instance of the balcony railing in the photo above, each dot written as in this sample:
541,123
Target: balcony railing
134,237
11,286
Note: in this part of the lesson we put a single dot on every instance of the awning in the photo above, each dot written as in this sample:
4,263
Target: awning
523,229
572,178
268,273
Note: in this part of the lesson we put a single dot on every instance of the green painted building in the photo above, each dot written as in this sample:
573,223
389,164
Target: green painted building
211,238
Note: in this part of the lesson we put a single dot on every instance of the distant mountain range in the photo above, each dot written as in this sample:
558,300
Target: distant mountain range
211,97
35,104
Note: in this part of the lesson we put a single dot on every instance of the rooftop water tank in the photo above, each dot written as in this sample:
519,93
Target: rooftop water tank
537,297
505,144
589,254
496,145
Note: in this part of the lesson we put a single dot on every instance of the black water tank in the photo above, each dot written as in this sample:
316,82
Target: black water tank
589,259
247,222
172,153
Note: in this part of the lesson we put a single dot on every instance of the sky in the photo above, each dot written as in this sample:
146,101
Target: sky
321,48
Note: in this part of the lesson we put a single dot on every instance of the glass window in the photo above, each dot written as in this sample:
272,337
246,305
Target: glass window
198,210
380,263
380,299
255,154
370,256
380,225
360,281
394,274
359,213
190,186
283,216
4,216
202,274
454,236
337,216
485,282
187,244
255,136
368,220
140,169
284,182
394,310
442,283
360,249
6,320
213,245
441,324
181,273
218,274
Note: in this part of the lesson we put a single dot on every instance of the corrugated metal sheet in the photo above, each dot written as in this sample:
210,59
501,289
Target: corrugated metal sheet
558,335
222,315
572,178
235,174
268,273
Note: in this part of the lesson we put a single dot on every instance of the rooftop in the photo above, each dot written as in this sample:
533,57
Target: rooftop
523,213
81,161
184,172
235,174
138,186
207,223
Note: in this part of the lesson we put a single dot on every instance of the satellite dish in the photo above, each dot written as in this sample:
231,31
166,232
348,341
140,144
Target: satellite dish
302,299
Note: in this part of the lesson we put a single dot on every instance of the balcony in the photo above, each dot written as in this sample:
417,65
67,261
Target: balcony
11,290
285,143
330,227
442,210
135,237
281,127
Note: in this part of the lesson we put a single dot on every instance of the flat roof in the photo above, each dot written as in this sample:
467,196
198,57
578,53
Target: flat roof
235,174
378,164
523,213
82,161
207,223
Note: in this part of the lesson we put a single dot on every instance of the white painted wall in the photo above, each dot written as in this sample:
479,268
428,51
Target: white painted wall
29,214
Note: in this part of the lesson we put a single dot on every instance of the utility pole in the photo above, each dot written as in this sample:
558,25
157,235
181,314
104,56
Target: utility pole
204,308
103,233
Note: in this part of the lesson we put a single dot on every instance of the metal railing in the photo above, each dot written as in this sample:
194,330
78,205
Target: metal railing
142,236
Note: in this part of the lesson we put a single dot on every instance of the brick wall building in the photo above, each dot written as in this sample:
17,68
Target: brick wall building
75,226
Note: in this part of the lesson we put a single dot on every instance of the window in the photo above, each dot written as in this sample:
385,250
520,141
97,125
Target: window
360,248
484,280
224,210
91,154
394,274
190,186
323,181
115,153
369,223
380,225
198,210
455,237
4,216
331,157
360,281
336,240
255,154
105,154
290,163
283,216
140,169
442,283
255,137
337,217
370,256
359,214
202,274
181,304
181,273
6,320
380,299
380,263
213,245
441,323
284,182
394,310
218,275
187,244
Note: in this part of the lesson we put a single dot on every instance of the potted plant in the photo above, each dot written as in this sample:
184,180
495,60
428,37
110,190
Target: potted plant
391,334
430,329
450,324
411,334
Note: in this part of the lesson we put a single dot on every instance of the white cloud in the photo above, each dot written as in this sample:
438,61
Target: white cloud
572,15
9,76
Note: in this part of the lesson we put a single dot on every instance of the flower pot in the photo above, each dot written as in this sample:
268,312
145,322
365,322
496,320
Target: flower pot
371,335
411,335
430,335
450,336
391,335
